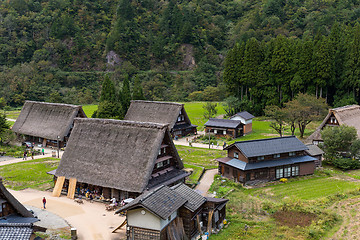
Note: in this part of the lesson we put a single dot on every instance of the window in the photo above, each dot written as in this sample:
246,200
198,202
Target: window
295,170
215,131
287,171
159,164
279,172
227,170
260,158
159,151
277,155
236,155
179,118
224,132
292,154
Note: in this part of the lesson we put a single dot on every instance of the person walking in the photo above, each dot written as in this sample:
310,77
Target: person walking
25,154
44,202
43,151
32,154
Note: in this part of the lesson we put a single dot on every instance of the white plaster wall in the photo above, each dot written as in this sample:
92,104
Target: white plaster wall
164,223
236,117
148,220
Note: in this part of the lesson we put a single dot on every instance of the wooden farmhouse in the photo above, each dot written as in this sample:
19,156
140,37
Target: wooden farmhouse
173,213
118,159
246,119
47,123
266,159
16,222
173,114
347,115
225,127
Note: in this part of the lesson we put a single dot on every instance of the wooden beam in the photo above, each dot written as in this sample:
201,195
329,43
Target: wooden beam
123,224
71,188
210,221
58,186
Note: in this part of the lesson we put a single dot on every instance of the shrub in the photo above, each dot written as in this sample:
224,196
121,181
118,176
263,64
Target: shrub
346,163
283,180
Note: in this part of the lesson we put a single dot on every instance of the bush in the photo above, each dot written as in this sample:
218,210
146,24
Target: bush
283,180
346,163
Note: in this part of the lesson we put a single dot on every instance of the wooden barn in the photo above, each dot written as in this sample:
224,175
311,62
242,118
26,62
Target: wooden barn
173,213
225,127
47,123
266,159
170,113
16,222
118,159
246,119
347,115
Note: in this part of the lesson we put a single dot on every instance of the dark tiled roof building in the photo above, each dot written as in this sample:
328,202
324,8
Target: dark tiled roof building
266,159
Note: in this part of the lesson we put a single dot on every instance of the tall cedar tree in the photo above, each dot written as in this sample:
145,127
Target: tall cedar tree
108,90
125,94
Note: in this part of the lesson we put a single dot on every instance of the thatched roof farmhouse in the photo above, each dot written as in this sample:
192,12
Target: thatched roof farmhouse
120,158
347,115
43,122
170,113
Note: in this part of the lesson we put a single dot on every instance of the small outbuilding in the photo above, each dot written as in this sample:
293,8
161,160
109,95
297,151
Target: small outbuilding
170,113
266,159
246,119
177,212
117,159
224,127
47,123
316,152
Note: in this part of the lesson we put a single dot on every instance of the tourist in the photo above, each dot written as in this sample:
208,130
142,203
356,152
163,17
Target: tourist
44,202
224,145
43,151
91,197
32,154
25,155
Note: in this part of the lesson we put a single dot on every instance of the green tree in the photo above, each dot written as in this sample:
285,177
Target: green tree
107,90
278,117
125,95
4,126
137,89
210,110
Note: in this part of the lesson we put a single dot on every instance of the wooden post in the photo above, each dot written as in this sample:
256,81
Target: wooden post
58,186
209,227
71,188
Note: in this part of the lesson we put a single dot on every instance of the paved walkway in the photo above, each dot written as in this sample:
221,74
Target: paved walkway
184,141
91,220
205,183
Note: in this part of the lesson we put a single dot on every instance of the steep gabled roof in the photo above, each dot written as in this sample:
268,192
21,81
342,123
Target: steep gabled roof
162,202
222,123
46,120
245,115
113,153
348,115
20,209
194,199
155,112
269,146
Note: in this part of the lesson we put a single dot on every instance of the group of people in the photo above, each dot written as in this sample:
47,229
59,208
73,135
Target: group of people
31,152
89,194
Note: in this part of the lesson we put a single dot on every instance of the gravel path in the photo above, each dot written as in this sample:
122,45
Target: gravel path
47,219
205,183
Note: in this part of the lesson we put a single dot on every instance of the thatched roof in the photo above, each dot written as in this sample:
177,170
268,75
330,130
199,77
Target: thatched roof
46,120
6,195
155,112
347,115
112,153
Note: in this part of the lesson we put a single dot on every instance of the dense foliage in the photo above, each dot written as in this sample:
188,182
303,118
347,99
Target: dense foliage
57,50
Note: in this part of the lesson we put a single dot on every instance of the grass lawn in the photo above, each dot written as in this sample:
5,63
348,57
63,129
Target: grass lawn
309,189
89,109
200,156
195,112
196,173
12,114
29,174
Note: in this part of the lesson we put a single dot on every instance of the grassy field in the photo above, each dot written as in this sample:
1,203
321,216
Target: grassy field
195,175
29,174
200,156
305,197
89,110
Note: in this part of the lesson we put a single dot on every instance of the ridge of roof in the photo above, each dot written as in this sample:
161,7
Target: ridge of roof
122,122
345,107
56,104
158,102
263,139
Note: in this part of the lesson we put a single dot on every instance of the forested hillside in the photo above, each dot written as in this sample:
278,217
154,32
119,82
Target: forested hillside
58,50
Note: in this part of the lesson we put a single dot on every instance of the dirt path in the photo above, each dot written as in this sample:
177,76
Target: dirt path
185,142
349,210
205,182
92,221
